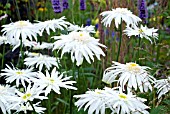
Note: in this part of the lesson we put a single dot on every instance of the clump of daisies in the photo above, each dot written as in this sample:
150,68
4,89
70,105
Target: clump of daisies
130,74
81,45
112,98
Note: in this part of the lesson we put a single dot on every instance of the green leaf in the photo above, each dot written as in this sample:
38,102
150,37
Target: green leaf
62,101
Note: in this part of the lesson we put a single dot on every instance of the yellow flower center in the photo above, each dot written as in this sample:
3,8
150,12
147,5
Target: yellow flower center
21,24
26,96
140,31
133,67
98,91
81,34
19,73
35,54
122,96
51,81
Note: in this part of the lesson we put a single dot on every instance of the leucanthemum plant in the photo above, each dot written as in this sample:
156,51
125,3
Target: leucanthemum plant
20,76
27,107
42,60
120,14
130,74
54,81
25,29
5,93
142,32
111,98
94,100
52,24
81,45
163,86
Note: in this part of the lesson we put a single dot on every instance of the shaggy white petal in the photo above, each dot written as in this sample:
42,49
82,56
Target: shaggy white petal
142,32
81,45
41,60
163,86
132,74
119,14
53,81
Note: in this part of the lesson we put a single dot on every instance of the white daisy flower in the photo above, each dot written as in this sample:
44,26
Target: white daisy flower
163,86
120,14
52,24
16,43
5,92
80,45
94,100
122,103
43,45
18,75
142,32
27,107
20,28
3,40
31,93
53,81
132,74
89,29
42,60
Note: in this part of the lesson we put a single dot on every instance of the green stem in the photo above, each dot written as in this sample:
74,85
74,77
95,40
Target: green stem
158,48
20,60
32,106
49,103
120,41
139,43
3,54
71,96
18,13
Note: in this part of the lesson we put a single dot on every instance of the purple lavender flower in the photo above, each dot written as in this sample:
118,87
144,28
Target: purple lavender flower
143,12
82,4
57,7
88,22
65,4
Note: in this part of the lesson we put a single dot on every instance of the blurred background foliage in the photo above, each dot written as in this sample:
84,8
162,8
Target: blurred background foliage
156,55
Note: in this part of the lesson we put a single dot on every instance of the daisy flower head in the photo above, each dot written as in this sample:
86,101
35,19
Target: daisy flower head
81,45
54,81
42,60
122,103
163,86
142,32
52,24
17,42
120,14
25,29
132,74
27,107
95,101
31,93
89,29
18,75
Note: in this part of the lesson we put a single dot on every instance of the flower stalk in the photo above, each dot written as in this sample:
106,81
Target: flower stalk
120,41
